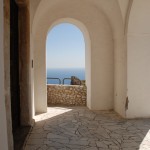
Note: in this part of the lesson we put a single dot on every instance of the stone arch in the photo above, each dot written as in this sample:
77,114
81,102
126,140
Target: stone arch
87,41
107,45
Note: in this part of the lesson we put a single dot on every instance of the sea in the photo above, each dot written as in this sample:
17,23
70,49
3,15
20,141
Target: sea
64,73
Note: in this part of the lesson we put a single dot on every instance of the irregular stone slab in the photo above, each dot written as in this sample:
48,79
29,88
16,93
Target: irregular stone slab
31,147
35,141
75,147
38,136
102,132
116,136
62,141
130,144
113,147
92,143
101,144
109,143
56,145
51,148
78,128
91,148
79,142
55,136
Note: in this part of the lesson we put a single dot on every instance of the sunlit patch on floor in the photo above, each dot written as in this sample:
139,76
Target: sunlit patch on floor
51,112
146,142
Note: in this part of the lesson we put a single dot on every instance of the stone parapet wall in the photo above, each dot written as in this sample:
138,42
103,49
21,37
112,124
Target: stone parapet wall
68,95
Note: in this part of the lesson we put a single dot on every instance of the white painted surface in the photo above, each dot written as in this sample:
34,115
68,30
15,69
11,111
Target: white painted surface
32,106
101,89
123,7
3,125
120,80
139,60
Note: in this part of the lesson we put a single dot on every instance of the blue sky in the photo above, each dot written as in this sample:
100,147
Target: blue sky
65,47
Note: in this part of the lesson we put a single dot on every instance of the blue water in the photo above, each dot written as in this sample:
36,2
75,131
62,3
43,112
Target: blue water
64,73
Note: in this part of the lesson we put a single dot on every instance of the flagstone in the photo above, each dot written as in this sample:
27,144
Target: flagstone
78,128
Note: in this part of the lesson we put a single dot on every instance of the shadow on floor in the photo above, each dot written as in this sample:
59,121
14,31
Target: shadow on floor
19,137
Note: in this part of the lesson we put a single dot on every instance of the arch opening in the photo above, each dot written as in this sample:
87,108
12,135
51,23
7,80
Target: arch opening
65,54
99,56
80,67
41,106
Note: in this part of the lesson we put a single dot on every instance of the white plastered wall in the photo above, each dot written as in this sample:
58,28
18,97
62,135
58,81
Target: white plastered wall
3,124
138,64
104,22
124,4
102,64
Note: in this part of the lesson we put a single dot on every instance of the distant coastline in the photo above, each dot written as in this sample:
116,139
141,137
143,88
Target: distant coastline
62,73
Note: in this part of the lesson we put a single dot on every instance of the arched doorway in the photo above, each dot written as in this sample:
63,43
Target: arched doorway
99,51
41,106
65,65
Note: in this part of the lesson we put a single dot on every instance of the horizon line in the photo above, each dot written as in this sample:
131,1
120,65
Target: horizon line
65,67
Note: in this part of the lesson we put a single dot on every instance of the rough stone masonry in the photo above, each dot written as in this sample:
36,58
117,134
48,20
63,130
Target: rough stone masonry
67,95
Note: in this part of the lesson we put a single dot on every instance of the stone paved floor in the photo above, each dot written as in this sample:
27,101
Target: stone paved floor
78,128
